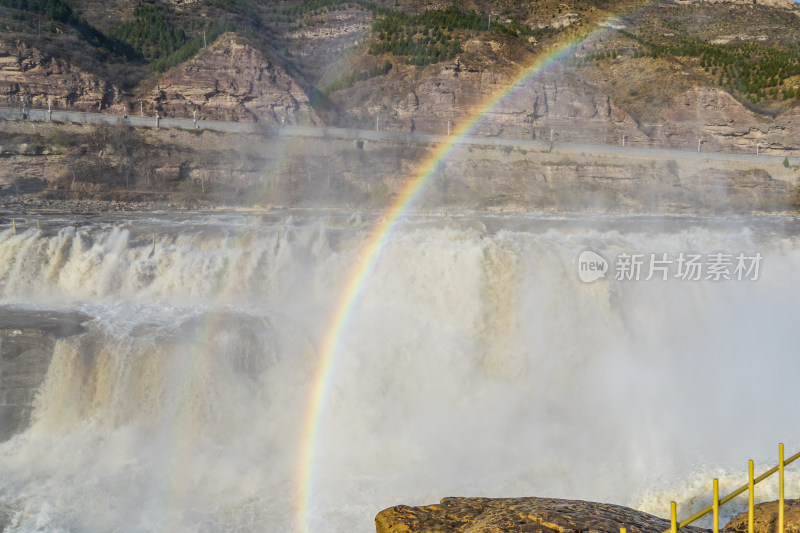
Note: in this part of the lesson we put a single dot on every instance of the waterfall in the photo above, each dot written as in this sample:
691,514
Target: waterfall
475,363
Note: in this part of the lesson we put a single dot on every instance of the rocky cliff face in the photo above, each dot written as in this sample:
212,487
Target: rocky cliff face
525,109
723,124
324,46
27,72
557,102
518,515
231,80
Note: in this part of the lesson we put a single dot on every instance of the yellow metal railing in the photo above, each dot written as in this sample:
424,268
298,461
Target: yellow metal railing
750,487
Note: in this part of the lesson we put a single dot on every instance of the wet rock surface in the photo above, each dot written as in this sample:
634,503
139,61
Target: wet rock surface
539,515
55,323
27,339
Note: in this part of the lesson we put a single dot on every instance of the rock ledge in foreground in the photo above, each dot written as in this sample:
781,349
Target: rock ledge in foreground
765,518
518,515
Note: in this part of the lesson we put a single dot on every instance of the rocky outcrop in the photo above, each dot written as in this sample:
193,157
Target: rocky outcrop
26,72
232,80
336,25
557,103
518,515
229,80
765,518
722,123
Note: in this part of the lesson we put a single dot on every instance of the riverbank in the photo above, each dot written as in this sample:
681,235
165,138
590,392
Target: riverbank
138,168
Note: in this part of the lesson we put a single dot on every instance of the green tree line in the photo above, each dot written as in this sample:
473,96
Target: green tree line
150,34
427,37
248,8
349,80
433,35
752,70
58,10
191,47
63,12
594,56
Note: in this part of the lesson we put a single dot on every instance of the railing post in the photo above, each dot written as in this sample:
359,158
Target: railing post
780,487
751,486
718,502
715,505
673,513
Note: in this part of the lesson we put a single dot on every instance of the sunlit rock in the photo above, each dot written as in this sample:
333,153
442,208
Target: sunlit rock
512,515
765,518
232,80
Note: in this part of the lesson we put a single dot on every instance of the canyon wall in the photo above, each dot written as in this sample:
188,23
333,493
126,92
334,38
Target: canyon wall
294,171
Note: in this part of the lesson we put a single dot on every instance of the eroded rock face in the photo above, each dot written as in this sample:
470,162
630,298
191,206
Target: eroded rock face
557,102
303,171
724,124
26,71
518,515
324,45
528,109
231,80
765,518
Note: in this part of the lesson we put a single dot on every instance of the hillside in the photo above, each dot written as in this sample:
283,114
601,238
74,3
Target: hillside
670,73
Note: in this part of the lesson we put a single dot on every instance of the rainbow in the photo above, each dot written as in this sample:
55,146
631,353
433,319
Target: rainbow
405,199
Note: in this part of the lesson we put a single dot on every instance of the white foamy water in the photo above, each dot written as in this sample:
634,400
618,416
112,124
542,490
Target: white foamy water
476,363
